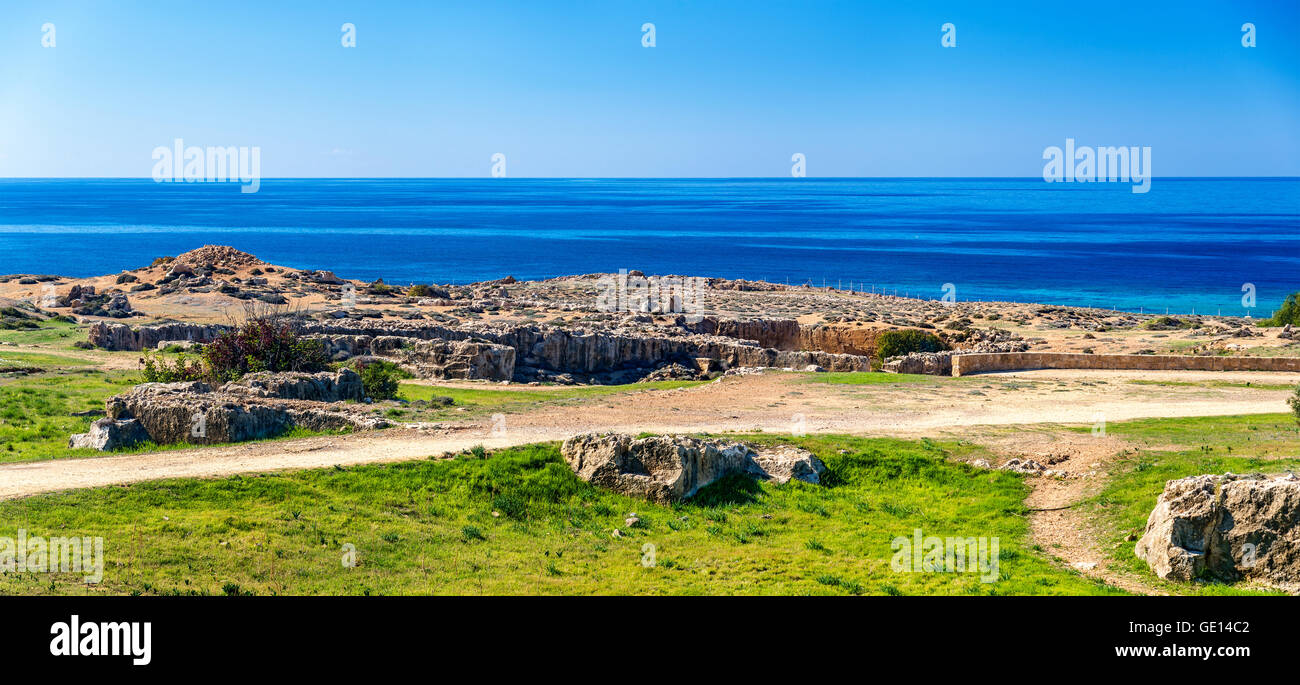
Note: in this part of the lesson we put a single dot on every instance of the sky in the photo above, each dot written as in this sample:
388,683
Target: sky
567,89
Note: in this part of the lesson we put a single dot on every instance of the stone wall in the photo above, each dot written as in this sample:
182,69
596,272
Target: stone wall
966,364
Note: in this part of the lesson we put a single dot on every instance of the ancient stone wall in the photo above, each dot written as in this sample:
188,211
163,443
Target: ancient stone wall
966,364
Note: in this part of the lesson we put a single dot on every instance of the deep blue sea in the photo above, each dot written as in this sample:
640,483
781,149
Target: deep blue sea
1188,244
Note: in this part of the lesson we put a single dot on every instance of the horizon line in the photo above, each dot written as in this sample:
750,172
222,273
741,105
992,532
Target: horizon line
617,178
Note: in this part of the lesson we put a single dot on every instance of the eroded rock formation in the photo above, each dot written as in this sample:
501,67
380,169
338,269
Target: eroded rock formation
671,468
194,413
1227,528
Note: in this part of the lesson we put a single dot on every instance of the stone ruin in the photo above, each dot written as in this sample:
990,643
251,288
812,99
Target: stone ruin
258,406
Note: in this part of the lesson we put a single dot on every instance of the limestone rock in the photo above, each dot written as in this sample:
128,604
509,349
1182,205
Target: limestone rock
670,468
339,386
1227,527
662,469
193,413
784,462
107,435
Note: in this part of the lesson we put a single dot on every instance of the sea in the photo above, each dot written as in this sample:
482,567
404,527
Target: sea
1205,245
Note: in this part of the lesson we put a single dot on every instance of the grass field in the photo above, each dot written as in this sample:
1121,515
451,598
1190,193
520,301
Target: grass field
1177,448
36,411
470,402
429,527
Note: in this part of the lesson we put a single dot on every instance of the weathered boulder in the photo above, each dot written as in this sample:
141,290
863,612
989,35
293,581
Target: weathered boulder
784,462
340,386
467,359
193,413
929,363
117,336
1228,528
107,435
671,468
670,372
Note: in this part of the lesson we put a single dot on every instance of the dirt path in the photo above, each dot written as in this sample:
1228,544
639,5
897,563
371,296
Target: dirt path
1010,413
769,402
1061,530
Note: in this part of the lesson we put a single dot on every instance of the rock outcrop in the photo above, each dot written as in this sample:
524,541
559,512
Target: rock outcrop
194,413
340,386
107,434
540,351
929,363
118,336
785,462
1227,528
668,469
465,359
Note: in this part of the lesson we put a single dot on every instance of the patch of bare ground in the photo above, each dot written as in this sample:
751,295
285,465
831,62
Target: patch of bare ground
1055,525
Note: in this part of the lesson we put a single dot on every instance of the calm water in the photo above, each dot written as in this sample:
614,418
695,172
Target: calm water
1188,244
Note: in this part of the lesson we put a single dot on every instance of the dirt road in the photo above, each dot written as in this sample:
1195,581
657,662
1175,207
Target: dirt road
773,402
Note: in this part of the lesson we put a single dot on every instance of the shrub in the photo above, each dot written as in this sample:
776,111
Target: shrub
380,378
906,341
418,290
158,370
1166,323
262,344
1295,404
1288,314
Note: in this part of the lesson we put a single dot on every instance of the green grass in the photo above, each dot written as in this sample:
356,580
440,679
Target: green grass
480,400
35,411
58,334
1177,448
36,414
38,360
428,527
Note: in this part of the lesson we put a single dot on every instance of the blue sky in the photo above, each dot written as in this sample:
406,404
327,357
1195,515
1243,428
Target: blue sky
730,89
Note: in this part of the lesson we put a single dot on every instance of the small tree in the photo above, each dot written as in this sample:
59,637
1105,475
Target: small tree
262,344
906,341
1295,404
380,378
157,370
1288,314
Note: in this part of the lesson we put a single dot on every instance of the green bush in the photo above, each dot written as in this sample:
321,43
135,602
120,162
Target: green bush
380,378
262,344
1295,404
1288,314
906,341
158,370
418,290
